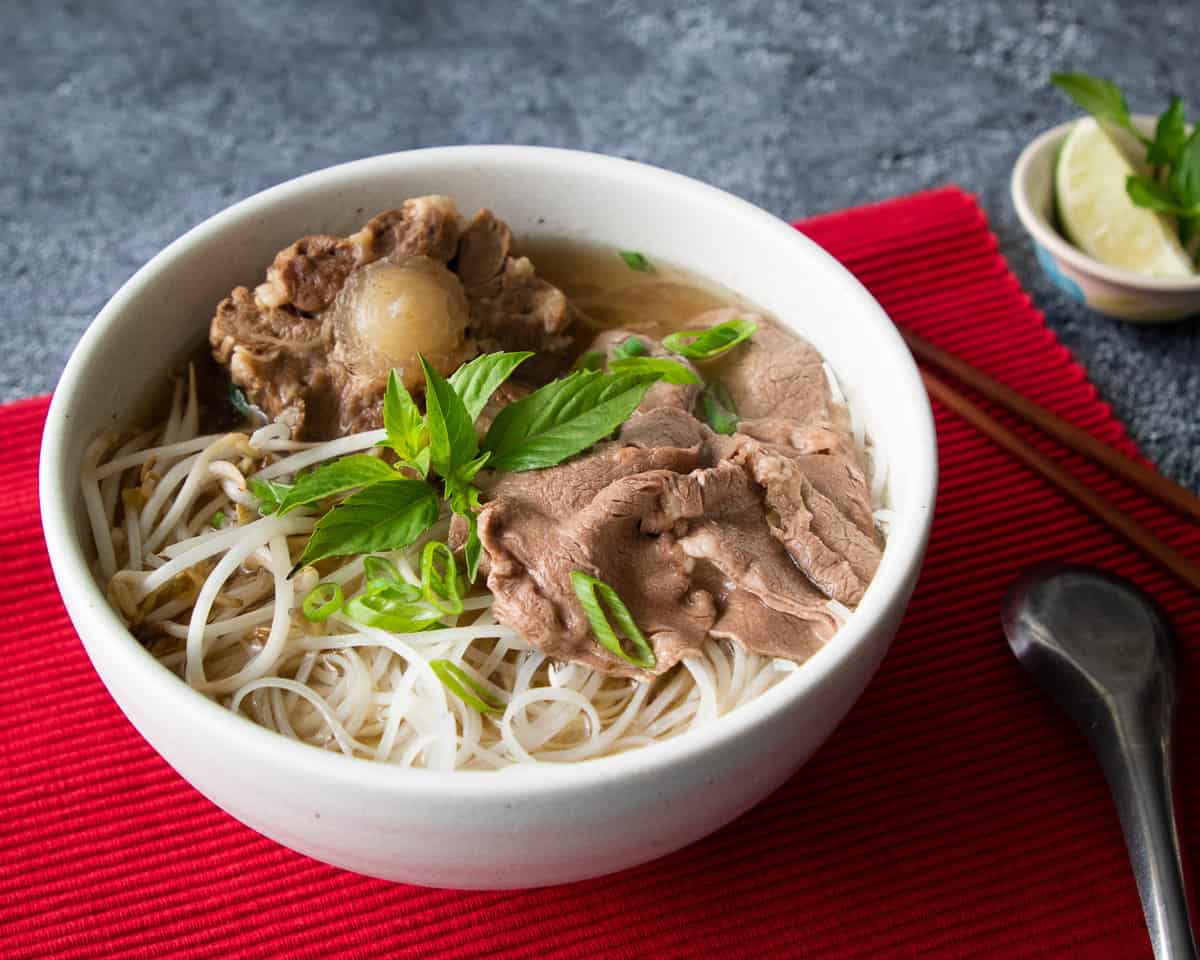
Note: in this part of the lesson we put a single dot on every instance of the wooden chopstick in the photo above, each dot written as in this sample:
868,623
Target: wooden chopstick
1145,479
1123,524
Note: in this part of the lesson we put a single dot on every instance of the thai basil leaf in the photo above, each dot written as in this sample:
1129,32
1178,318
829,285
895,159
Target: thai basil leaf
452,440
356,470
1169,135
405,427
563,418
475,382
388,515
1184,181
268,492
1101,98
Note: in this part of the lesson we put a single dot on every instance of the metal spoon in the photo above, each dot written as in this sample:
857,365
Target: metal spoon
1103,650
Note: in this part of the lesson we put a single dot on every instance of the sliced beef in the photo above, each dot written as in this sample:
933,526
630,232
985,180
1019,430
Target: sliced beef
511,307
779,389
662,394
561,492
532,556
670,427
686,544
285,348
723,524
821,536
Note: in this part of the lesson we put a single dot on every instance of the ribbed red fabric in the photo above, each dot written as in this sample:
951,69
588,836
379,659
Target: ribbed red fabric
955,813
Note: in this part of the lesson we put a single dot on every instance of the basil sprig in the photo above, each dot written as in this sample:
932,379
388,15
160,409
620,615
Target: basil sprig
594,595
470,691
1173,153
391,509
712,342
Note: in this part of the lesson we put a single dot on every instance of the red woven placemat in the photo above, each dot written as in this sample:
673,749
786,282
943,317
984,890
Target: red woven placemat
954,813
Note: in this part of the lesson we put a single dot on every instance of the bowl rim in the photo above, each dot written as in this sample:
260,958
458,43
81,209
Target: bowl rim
86,602
1044,234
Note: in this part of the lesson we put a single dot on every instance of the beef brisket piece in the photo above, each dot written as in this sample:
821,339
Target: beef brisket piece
511,307
281,344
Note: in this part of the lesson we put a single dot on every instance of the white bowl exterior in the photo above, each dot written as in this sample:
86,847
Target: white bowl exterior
524,826
1108,290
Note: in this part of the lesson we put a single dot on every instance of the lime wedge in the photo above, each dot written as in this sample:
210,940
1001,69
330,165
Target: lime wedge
1097,215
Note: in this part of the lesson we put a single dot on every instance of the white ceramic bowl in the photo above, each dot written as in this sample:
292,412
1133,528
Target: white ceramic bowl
1108,290
527,826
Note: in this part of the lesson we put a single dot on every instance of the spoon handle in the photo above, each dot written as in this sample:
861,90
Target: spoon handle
1139,774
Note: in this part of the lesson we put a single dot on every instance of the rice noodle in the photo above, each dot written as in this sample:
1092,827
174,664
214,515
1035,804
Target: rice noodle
223,613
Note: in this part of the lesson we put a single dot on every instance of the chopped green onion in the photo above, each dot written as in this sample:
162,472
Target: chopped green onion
441,586
218,520
631,347
711,343
594,595
469,690
237,400
718,408
671,371
322,602
380,568
392,606
636,261
592,360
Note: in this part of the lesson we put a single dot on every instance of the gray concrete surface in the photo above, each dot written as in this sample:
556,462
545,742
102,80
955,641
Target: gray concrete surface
124,123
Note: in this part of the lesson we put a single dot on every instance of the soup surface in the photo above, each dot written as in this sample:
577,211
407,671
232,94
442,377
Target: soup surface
488,502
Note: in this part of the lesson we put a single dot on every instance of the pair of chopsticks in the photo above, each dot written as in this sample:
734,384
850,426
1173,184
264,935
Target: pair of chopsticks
1154,484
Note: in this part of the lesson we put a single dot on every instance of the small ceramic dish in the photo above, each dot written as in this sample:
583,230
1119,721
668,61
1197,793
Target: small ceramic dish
1108,290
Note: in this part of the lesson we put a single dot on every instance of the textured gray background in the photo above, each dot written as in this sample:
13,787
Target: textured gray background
123,124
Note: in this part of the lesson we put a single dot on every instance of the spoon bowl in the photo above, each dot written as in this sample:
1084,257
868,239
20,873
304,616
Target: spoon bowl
1104,652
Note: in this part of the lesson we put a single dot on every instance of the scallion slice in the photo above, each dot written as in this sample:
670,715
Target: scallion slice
631,347
636,261
711,343
322,602
440,586
469,690
218,520
380,569
670,371
592,360
718,408
392,606
594,595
